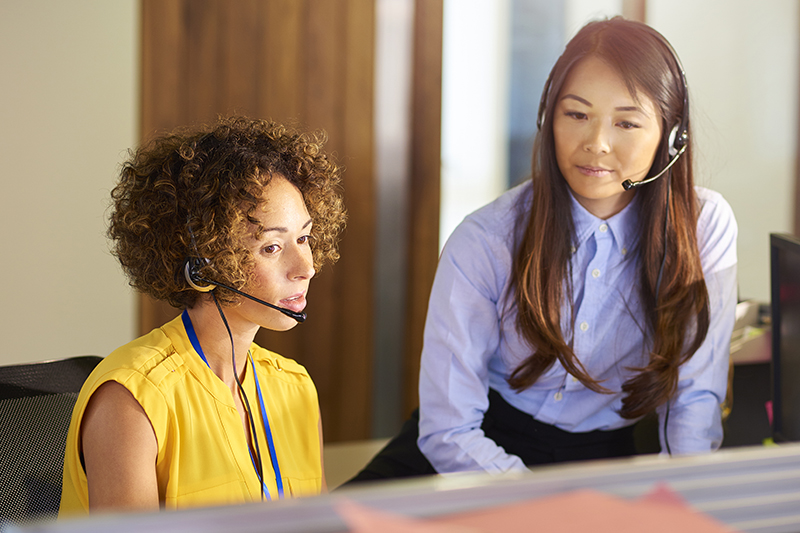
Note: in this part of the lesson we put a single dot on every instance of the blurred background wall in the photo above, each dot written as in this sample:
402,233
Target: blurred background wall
71,101
69,93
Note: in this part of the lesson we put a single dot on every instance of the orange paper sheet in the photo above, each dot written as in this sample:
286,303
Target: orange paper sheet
583,510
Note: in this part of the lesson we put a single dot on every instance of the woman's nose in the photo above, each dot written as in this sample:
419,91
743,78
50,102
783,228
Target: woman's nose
303,264
597,139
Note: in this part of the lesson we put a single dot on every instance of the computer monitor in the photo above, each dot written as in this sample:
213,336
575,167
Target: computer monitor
785,278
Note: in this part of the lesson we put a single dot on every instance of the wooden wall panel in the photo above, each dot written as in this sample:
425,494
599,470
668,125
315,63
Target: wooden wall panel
358,286
425,179
302,62
281,52
162,49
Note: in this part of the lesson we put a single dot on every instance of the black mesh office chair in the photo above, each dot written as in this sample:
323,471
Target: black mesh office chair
36,402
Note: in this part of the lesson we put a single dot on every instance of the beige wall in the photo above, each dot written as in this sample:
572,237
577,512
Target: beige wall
741,61
68,112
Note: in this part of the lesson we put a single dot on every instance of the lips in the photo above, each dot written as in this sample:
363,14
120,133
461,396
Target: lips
295,303
595,172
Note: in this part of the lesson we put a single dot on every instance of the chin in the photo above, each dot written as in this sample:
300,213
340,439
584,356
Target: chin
282,325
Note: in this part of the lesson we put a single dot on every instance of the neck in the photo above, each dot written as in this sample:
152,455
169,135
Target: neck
216,342
607,207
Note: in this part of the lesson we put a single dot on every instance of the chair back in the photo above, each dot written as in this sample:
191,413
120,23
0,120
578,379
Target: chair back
36,402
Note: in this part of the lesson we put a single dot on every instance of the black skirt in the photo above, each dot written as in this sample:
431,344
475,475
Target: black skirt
516,432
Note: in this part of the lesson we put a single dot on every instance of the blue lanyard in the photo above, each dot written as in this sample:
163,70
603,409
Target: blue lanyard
270,442
187,323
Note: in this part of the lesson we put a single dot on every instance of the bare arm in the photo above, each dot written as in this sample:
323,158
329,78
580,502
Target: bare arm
119,450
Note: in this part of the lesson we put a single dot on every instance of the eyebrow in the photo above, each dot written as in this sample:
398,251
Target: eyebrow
283,229
578,98
589,104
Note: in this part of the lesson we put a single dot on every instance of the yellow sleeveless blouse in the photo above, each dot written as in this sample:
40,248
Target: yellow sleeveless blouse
203,454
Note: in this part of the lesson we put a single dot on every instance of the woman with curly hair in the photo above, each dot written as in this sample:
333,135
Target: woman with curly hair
599,291
229,223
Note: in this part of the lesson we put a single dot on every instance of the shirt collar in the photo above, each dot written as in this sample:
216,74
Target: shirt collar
623,225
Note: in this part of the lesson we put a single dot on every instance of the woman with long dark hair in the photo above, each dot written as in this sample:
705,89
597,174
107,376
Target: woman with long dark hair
601,290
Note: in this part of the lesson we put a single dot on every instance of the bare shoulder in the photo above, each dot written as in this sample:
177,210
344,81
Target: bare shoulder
119,450
112,410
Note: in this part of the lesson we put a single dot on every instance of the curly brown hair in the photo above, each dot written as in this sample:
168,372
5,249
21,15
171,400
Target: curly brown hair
193,191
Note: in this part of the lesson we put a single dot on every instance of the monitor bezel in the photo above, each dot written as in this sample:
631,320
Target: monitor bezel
779,242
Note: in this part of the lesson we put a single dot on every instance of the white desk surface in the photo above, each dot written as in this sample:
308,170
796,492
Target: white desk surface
749,489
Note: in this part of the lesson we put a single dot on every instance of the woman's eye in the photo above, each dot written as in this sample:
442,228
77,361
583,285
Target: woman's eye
271,249
304,239
577,115
628,125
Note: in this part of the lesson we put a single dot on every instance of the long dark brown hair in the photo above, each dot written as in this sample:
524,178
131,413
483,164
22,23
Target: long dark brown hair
678,322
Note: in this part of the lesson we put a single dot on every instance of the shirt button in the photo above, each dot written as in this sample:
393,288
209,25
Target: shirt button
573,249
595,273
574,379
624,251
603,228
584,326
557,397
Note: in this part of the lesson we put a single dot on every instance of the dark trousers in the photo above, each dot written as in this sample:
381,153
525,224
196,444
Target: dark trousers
516,432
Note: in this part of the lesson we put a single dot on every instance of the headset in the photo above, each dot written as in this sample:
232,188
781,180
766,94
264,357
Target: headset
678,138
191,271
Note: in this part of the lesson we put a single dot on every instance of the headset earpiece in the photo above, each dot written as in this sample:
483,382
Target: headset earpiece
191,270
673,136
678,138
192,266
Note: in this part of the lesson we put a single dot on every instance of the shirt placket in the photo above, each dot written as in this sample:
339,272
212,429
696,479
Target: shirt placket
594,296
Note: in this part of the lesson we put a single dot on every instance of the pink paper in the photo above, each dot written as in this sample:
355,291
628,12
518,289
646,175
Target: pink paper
662,511
362,519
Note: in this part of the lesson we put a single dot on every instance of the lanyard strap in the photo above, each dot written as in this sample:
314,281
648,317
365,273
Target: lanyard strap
187,323
270,442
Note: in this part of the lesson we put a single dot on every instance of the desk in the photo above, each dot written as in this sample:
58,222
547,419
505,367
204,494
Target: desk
750,489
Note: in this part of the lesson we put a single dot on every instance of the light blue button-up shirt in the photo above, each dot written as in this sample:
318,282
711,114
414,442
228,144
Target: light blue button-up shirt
471,342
